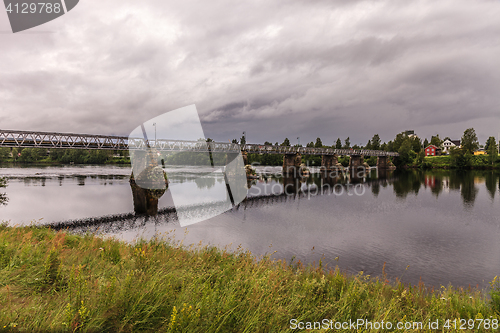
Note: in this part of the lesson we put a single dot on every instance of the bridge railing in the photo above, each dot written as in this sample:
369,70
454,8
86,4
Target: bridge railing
9,138
261,149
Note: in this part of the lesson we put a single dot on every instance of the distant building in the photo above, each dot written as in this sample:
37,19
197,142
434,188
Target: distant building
432,150
480,151
447,144
411,134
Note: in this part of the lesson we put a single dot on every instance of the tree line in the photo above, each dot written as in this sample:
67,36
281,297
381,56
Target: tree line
65,156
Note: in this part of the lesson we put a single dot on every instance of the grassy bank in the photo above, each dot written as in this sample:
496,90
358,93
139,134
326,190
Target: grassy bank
60,282
446,162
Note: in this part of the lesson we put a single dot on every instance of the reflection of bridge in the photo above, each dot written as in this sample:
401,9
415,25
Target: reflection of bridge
129,221
10,138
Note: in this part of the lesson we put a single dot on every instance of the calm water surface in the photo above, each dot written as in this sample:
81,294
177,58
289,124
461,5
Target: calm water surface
444,225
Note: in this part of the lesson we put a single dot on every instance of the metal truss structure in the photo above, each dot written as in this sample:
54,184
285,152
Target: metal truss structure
9,138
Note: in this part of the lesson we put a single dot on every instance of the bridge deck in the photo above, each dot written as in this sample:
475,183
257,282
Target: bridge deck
9,138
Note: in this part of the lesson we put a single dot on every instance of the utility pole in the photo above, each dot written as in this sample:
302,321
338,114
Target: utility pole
154,124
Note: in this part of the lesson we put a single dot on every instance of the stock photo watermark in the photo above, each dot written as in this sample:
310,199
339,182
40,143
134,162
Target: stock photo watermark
24,15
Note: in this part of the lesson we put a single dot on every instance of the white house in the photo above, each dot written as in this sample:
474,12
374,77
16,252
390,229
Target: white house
447,144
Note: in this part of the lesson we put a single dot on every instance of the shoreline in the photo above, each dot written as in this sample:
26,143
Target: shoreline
60,281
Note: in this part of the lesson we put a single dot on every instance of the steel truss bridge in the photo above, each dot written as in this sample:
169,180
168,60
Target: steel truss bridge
30,139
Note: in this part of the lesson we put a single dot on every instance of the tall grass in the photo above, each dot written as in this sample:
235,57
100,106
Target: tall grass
61,282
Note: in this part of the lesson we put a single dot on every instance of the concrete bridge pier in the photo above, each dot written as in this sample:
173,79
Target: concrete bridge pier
245,157
149,184
382,162
291,164
357,169
145,200
331,170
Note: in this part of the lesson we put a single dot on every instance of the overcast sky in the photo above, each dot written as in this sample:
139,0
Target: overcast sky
274,69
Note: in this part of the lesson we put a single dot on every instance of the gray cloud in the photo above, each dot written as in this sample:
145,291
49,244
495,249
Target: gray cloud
324,68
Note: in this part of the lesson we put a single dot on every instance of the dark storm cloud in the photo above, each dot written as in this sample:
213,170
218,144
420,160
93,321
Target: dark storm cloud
273,69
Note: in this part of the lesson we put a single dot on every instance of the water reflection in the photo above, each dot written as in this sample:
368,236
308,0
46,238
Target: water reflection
3,196
443,223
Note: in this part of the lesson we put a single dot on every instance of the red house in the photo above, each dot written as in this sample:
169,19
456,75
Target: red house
432,150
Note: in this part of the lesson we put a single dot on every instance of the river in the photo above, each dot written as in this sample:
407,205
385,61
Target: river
439,227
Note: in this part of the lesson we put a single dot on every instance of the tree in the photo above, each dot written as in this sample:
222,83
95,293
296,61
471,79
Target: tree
318,143
4,154
460,158
492,150
338,144
243,140
390,146
369,145
398,141
491,140
426,142
310,144
436,141
416,144
234,141
347,144
286,143
406,154
469,140
376,142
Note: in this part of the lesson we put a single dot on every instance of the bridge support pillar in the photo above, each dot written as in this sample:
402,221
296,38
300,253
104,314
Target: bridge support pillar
245,157
357,169
355,161
329,161
382,162
291,164
150,182
145,200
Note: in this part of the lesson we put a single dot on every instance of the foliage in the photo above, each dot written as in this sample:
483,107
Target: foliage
375,142
436,141
3,196
318,143
492,150
265,159
406,153
4,154
347,143
80,156
426,143
286,143
102,285
469,140
338,144
460,158
490,140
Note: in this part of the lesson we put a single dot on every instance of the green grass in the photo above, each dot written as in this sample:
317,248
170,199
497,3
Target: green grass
61,282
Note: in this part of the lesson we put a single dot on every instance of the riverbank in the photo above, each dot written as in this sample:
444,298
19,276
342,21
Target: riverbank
57,281
48,161
473,162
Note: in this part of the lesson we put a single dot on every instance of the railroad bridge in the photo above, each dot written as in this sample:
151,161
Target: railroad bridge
291,155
